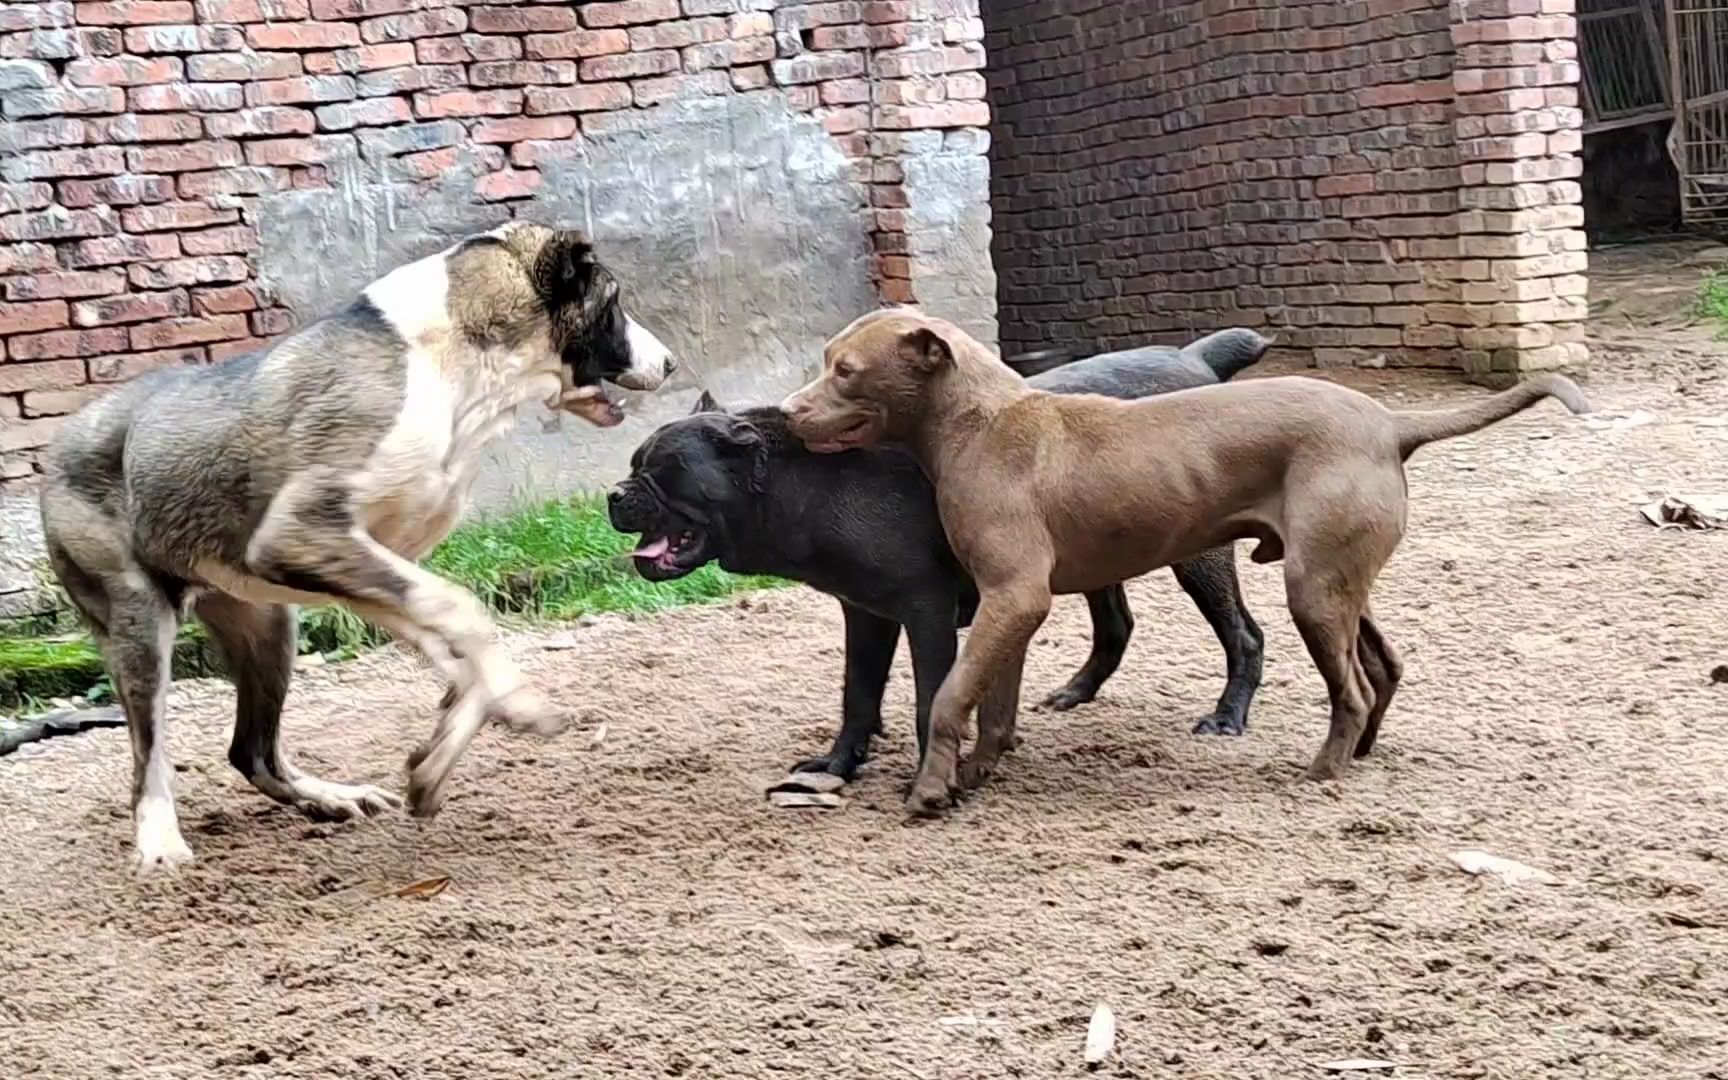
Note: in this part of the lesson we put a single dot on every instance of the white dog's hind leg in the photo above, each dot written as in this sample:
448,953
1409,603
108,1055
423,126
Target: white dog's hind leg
259,644
138,644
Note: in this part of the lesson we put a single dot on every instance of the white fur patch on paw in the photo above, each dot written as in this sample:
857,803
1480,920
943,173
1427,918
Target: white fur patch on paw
158,845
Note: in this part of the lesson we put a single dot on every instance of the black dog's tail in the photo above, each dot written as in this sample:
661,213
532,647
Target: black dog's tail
1030,364
1229,352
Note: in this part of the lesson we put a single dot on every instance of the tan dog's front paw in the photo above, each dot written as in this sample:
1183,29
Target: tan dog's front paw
929,796
975,770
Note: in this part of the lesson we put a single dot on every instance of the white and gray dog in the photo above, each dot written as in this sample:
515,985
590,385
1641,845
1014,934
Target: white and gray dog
319,470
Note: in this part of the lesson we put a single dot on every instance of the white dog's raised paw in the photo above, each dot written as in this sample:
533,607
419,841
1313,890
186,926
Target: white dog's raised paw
325,801
527,712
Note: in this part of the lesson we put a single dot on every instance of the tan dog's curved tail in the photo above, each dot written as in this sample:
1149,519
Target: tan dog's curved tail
1418,429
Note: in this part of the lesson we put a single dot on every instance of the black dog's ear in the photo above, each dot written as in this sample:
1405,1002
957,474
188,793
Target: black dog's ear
743,435
925,350
705,403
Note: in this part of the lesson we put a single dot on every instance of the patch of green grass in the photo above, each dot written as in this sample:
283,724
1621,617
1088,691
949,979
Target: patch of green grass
1712,303
551,563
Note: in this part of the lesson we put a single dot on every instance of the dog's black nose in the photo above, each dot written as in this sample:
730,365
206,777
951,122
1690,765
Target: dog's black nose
671,365
612,498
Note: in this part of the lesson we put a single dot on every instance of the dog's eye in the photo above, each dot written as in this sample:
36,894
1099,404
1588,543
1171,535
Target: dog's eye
843,370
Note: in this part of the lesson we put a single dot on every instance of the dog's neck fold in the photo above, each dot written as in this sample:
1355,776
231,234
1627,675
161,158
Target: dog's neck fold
959,405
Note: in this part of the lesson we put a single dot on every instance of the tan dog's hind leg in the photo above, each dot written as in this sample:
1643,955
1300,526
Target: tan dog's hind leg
1008,615
1384,669
997,718
1344,529
309,542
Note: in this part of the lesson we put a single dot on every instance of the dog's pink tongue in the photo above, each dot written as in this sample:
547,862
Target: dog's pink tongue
653,549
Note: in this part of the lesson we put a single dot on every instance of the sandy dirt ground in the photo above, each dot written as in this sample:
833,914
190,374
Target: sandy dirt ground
636,908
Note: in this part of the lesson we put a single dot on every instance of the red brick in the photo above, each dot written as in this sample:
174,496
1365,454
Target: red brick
266,120
64,101
522,20
190,330
272,321
134,127
721,54
628,12
750,24
64,285
48,375
306,89
185,97
183,157
523,73
226,350
112,369
361,9
227,240
177,273
754,77
370,112
130,308
577,43
523,128
947,115
313,150
251,11
59,343
111,250
243,66
897,291
302,35
21,196
44,134
134,13
365,58
32,315
844,119
112,191
630,65
437,103
41,164
434,23
682,34
225,299
650,92
174,216
407,79
508,184
125,71
55,224
846,92
817,67
964,86
429,164
184,39
59,402
594,97
27,258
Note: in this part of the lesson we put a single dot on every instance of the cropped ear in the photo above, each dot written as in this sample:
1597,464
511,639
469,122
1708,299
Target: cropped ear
706,403
925,350
742,435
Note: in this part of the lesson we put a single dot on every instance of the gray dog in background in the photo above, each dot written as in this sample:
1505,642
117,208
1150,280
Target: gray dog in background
320,470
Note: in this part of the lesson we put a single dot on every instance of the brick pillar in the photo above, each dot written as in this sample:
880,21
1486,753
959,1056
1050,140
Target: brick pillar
1521,218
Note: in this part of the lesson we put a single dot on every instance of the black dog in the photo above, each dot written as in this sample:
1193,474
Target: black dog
863,528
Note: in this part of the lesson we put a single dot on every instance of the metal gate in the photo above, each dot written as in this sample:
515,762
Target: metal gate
1698,72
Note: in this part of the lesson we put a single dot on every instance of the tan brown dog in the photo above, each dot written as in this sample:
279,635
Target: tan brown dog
1044,493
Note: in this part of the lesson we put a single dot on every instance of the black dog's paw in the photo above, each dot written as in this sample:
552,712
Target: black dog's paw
845,766
1067,698
1221,724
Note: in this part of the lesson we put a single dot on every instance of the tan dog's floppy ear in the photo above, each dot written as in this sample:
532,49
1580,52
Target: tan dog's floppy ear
925,350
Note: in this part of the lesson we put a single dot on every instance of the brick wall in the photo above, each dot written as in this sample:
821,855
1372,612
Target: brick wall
1381,181
141,136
